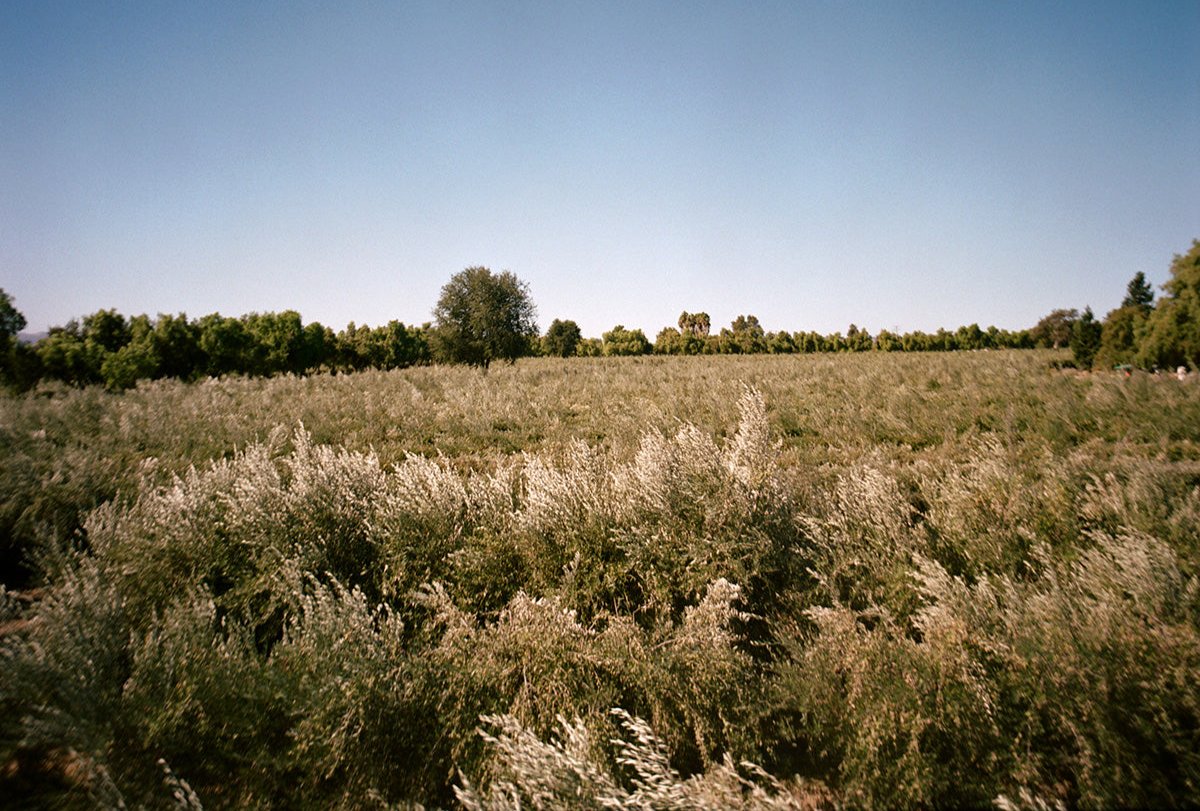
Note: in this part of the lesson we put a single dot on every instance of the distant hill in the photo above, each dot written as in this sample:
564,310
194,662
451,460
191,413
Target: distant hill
31,337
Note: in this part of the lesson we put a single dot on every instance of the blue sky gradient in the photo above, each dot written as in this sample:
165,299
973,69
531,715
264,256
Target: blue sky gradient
894,165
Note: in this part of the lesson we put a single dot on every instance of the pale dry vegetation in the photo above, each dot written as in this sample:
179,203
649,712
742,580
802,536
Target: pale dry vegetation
768,582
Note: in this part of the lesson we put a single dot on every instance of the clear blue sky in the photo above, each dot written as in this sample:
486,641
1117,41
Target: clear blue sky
890,164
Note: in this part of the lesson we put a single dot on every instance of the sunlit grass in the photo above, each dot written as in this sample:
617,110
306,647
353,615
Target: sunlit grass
873,580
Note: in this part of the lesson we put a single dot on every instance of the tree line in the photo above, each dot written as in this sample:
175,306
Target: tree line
481,317
108,348
746,336
1141,333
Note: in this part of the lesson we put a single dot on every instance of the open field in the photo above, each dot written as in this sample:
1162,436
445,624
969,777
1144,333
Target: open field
887,580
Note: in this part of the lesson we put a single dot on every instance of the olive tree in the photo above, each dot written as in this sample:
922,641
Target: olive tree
483,316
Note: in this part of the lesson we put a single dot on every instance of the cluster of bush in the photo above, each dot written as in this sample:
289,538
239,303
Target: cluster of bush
299,624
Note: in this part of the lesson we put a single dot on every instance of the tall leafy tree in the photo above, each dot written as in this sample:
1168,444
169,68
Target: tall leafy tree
887,341
224,343
970,336
1124,326
106,330
276,341
1119,335
621,341
696,324
1172,334
11,321
316,346
744,336
136,360
780,343
1054,330
63,355
356,348
481,317
176,342
669,341
747,325
562,338
406,345
858,340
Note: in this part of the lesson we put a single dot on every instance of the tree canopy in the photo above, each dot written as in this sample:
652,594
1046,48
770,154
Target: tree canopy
483,316
11,353
561,339
1119,336
621,341
1055,329
11,321
1173,329
697,324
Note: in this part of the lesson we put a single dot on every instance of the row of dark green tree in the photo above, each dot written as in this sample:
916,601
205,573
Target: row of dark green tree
106,347
746,336
481,317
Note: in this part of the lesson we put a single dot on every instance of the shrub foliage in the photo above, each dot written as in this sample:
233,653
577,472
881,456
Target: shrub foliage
626,583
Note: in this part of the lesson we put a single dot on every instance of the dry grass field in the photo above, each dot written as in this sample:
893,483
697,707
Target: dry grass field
862,580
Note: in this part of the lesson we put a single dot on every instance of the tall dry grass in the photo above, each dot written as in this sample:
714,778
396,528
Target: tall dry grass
805,581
